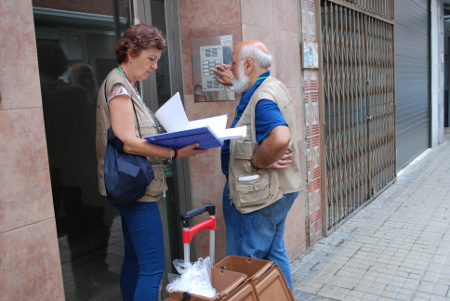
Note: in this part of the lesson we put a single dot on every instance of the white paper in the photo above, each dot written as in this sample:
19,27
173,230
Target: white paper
173,118
232,133
248,178
216,123
172,115
218,126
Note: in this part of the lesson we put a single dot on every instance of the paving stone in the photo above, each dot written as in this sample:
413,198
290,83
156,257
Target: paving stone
395,248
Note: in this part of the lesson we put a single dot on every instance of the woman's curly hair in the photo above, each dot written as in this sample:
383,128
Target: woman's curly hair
138,38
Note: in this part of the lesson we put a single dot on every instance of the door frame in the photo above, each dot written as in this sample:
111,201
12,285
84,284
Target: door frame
141,12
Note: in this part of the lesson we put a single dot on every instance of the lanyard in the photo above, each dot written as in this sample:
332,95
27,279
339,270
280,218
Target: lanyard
156,124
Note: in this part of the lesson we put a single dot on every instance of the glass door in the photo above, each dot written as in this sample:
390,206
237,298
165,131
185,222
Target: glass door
75,53
161,85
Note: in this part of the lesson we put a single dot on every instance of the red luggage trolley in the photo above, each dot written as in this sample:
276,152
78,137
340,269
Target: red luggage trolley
230,285
189,232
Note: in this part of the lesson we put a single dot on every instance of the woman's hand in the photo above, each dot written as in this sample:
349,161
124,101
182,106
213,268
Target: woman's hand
189,151
225,75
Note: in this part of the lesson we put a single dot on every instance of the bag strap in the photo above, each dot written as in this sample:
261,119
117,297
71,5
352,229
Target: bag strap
135,115
114,140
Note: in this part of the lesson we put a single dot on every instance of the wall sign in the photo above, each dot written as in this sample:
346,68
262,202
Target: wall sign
310,55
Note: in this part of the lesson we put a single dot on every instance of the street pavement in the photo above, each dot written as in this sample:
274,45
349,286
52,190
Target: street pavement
395,248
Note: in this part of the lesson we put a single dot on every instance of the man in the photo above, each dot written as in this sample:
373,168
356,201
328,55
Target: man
262,169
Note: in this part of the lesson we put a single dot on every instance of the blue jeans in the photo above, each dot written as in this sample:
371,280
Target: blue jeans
143,264
260,233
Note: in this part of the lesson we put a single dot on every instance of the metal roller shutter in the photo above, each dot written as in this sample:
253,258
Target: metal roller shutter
358,104
411,31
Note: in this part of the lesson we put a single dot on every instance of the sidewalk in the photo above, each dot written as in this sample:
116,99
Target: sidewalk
396,248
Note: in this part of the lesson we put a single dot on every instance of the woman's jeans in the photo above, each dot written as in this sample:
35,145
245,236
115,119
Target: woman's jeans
143,264
260,233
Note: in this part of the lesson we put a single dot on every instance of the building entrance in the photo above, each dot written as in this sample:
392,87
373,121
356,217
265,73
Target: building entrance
75,53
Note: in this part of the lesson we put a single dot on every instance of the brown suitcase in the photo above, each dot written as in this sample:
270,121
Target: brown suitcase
269,280
245,292
229,285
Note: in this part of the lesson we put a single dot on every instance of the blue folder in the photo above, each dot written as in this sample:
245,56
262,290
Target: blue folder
204,136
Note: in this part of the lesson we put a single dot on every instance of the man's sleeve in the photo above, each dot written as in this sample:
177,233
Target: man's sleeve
268,116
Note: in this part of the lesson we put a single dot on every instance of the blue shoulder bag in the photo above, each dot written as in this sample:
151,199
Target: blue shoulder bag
126,176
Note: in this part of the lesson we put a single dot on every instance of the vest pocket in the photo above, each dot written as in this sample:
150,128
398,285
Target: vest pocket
243,150
158,184
253,192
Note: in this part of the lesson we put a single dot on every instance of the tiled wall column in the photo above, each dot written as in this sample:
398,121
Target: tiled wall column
277,24
204,18
29,256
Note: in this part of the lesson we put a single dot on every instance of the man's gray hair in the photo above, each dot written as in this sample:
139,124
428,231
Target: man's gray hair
262,59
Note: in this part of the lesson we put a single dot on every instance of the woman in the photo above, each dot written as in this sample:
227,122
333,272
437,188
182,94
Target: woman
119,105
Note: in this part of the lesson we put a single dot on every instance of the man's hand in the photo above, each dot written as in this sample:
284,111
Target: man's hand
283,162
224,74
274,150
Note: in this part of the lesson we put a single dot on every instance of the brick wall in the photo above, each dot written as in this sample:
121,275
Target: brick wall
313,146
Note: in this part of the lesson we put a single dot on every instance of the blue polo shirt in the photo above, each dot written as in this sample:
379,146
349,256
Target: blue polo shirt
268,116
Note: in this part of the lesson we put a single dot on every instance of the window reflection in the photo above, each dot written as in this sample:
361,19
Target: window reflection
75,45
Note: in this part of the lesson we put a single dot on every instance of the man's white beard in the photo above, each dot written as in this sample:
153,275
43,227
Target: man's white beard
241,85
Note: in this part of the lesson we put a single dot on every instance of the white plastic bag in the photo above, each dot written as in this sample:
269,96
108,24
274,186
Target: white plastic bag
194,278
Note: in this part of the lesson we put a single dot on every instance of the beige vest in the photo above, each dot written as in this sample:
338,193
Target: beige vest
147,126
268,185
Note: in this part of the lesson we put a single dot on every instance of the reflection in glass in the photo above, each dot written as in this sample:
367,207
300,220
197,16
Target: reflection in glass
75,47
76,51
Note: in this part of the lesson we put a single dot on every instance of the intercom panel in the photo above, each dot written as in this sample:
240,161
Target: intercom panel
210,57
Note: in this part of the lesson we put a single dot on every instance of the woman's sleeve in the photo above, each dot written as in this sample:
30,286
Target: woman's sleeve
117,90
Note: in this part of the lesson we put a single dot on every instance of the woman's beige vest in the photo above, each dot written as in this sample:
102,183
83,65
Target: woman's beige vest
267,185
147,126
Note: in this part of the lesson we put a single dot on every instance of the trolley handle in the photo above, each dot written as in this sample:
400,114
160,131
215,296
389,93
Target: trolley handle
211,208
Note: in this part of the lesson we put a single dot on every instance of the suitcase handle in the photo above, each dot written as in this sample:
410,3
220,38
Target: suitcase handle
211,208
188,233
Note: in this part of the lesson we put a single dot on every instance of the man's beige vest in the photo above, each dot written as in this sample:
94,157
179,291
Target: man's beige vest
147,126
267,185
